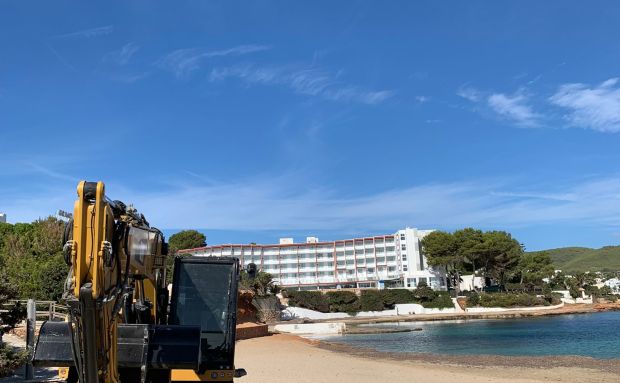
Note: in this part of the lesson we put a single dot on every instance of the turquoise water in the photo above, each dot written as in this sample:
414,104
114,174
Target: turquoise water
596,335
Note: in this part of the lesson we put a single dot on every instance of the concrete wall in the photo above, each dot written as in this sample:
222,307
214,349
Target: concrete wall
501,309
312,328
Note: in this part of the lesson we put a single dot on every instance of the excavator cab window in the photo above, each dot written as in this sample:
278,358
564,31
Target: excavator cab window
205,294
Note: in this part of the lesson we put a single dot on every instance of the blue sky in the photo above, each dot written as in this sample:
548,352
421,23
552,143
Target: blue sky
256,120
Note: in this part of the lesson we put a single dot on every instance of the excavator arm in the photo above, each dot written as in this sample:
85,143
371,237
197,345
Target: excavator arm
119,328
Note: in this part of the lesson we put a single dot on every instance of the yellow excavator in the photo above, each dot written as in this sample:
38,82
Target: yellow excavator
122,325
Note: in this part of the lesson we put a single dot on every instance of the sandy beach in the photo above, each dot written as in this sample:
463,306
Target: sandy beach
287,358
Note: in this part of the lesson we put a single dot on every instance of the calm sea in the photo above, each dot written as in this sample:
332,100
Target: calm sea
596,335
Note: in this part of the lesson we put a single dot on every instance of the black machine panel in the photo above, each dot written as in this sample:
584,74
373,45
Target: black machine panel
205,294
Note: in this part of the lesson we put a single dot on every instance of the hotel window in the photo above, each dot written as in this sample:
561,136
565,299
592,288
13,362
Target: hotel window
403,247
404,267
402,237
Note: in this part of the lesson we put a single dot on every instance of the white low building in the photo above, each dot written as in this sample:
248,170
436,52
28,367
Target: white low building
368,262
614,285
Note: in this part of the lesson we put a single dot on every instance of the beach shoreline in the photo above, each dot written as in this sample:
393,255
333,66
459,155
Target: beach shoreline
510,314
286,358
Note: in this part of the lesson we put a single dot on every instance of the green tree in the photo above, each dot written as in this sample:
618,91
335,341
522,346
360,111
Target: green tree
470,248
31,255
262,285
534,267
185,239
501,255
441,249
10,315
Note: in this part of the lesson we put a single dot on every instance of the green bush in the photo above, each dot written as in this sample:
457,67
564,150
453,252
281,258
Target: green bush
473,299
10,359
313,300
424,293
553,298
442,300
343,301
397,296
371,300
511,300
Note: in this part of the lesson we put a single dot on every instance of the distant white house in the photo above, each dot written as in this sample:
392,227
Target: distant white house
468,282
614,285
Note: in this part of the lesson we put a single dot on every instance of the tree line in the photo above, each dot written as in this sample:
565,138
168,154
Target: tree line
31,260
493,255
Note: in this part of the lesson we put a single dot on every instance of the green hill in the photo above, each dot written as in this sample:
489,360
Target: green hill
574,259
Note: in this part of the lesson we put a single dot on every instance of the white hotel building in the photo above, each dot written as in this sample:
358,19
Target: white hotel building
392,260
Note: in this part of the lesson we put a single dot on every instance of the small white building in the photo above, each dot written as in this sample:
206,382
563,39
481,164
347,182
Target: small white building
2,218
614,285
367,262
470,283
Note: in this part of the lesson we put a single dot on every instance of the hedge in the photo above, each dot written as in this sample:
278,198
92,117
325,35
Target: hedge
371,300
442,300
398,296
312,300
343,301
511,300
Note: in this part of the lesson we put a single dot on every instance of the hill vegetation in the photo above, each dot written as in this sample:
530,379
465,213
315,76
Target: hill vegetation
581,259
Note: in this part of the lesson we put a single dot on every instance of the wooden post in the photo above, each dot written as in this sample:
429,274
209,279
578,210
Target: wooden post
31,323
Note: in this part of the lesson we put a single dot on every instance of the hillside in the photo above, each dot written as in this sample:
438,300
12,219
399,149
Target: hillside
573,259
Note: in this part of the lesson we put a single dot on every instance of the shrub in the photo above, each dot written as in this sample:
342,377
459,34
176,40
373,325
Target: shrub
473,299
424,293
343,301
511,300
371,300
398,296
10,359
553,298
312,300
442,300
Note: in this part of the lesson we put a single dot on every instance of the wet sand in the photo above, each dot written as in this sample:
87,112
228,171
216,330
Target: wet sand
288,358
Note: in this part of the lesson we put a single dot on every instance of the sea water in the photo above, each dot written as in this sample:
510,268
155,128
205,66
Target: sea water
596,335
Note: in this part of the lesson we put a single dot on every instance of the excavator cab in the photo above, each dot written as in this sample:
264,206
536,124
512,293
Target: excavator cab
203,310
204,294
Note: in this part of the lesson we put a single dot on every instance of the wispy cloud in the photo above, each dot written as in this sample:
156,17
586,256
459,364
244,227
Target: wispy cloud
514,107
278,203
183,62
122,56
87,33
469,93
591,107
306,81
274,204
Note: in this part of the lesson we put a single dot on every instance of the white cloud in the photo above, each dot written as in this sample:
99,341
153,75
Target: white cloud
591,107
306,81
183,62
469,93
514,107
122,56
275,204
278,203
87,33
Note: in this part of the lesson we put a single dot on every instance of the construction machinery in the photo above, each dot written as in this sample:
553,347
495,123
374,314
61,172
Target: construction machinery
122,325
